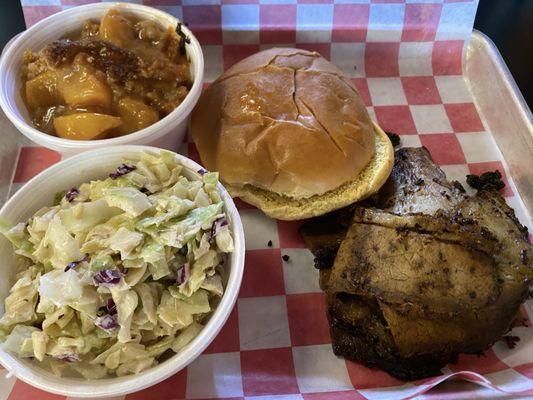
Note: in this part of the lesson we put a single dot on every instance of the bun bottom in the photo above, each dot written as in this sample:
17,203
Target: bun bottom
368,182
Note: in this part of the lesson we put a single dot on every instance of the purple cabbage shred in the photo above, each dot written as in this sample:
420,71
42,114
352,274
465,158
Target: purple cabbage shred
69,357
202,171
111,307
74,264
107,277
122,170
217,224
182,274
72,194
106,322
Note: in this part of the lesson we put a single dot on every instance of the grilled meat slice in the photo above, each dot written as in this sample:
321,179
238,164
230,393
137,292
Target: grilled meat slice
359,333
401,266
417,185
425,273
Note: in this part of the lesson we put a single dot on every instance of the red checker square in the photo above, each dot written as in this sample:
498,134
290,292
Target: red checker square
464,117
228,338
171,388
289,236
447,57
486,363
268,372
307,319
33,14
479,168
23,391
236,52
344,395
350,22
205,22
420,90
421,22
242,205
33,160
192,153
387,1
381,59
364,378
263,274
525,369
277,23
397,119
362,87
445,149
323,48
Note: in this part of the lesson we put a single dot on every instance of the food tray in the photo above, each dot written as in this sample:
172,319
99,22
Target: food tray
422,73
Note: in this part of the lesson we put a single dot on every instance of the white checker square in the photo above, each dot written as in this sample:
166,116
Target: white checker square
431,119
456,21
240,16
263,323
213,61
257,227
458,172
372,113
410,141
313,36
40,3
176,11
510,380
453,89
215,375
387,393
385,22
479,147
521,354
349,57
313,23
6,384
386,91
319,370
414,58
300,275
277,1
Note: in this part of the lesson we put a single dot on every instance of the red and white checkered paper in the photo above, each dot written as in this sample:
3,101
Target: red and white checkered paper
405,56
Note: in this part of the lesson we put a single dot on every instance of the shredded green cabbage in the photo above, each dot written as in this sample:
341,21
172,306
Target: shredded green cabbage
128,270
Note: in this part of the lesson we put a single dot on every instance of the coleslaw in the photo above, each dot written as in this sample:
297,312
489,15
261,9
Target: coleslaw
121,272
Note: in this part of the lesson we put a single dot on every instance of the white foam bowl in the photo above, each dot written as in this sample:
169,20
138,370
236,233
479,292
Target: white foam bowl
39,192
166,133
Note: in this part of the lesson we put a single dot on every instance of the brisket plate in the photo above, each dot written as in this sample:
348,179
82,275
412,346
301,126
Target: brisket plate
422,272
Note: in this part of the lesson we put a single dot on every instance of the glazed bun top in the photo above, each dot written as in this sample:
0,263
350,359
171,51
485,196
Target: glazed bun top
285,120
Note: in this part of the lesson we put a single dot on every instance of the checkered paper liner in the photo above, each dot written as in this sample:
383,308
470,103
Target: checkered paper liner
405,57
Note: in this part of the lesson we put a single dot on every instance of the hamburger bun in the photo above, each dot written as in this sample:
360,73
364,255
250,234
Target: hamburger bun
290,134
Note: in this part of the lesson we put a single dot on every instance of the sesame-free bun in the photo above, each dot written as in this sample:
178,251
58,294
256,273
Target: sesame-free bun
287,123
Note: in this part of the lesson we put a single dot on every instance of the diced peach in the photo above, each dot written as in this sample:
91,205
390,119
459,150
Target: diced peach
83,89
116,28
135,114
85,126
41,91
